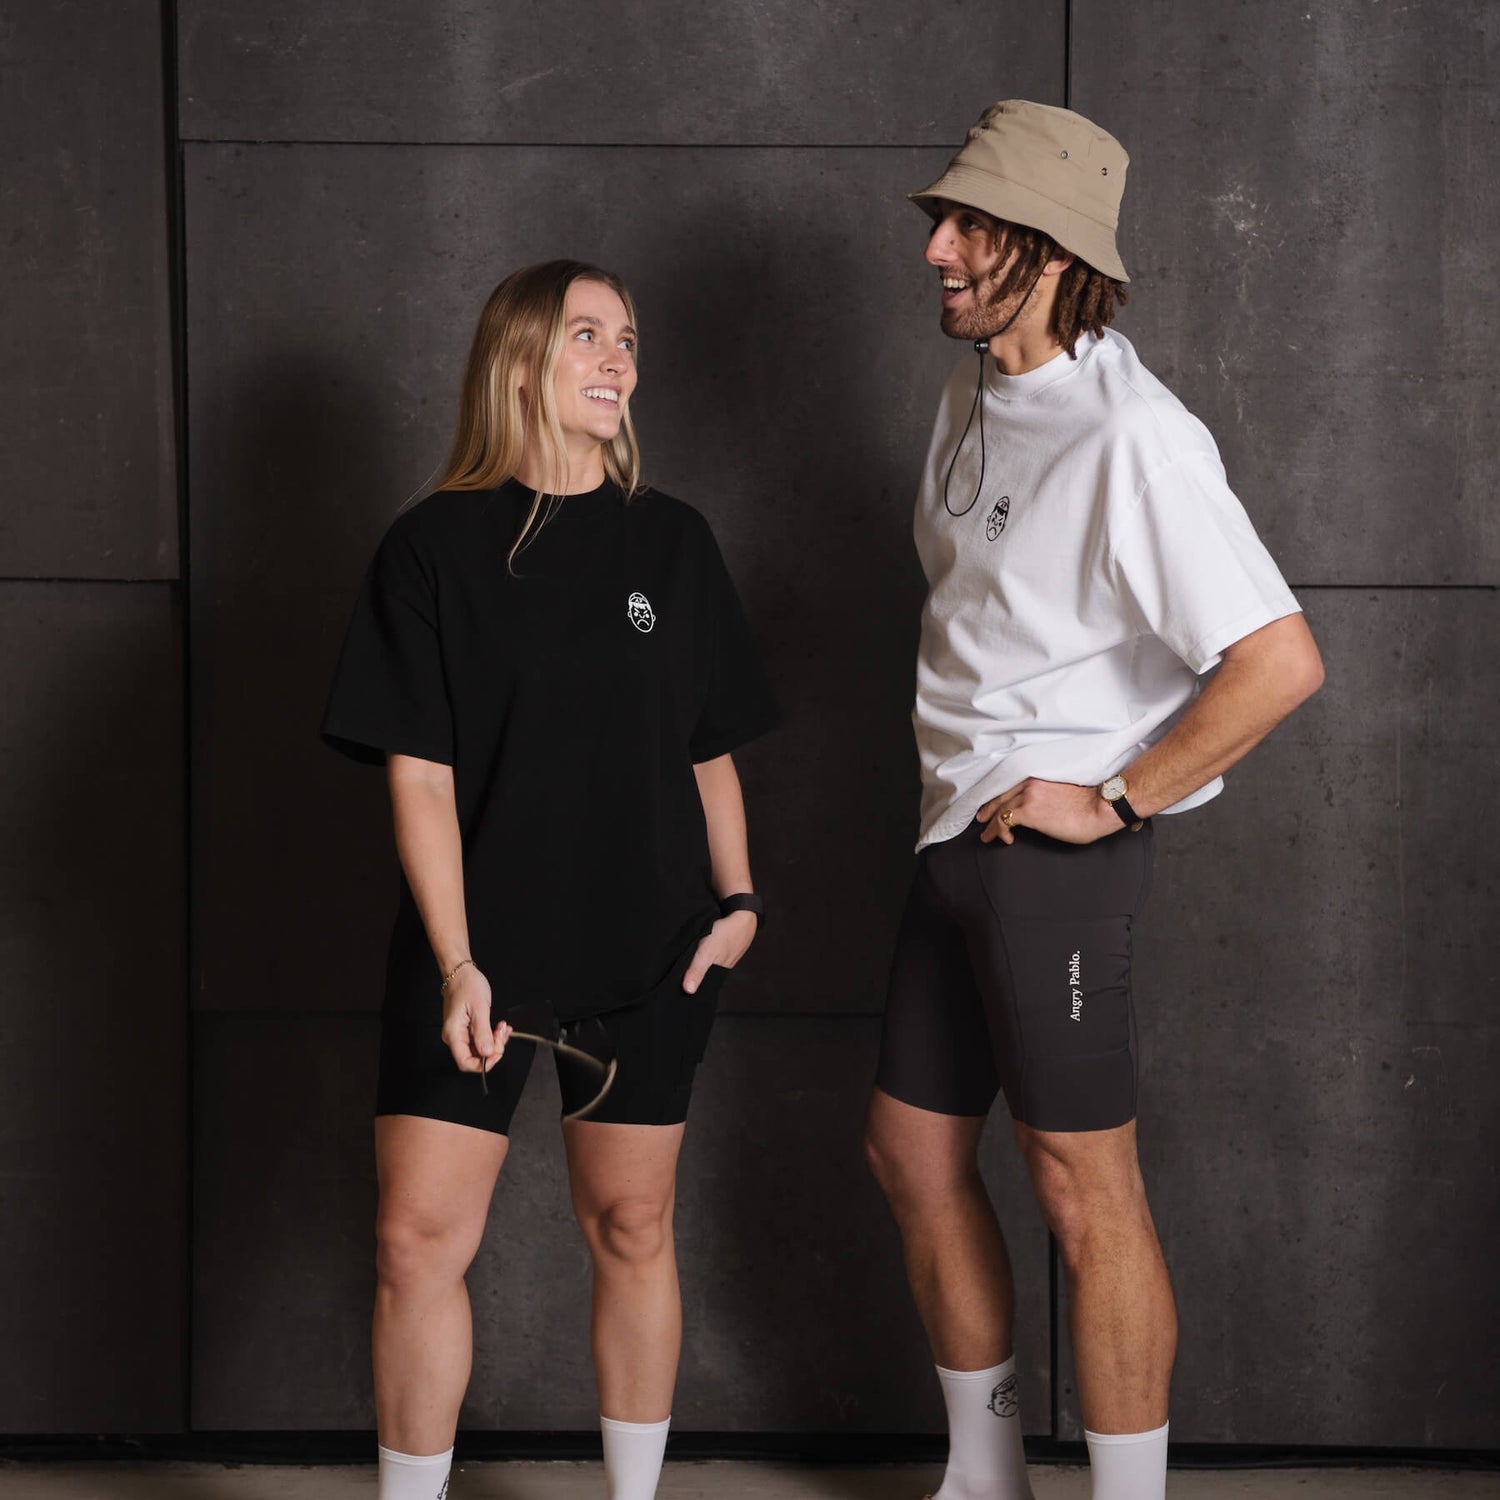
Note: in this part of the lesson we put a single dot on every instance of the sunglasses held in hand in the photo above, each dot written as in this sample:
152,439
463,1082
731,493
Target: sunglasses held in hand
584,1043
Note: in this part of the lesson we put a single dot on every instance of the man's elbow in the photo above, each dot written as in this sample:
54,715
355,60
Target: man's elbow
1304,675
1284,659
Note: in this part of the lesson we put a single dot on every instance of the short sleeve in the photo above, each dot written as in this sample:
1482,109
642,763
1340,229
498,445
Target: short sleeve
738,704
389,694
1191,566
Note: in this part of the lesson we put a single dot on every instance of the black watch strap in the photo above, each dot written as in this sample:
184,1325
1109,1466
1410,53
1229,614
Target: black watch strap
744,901
1127,814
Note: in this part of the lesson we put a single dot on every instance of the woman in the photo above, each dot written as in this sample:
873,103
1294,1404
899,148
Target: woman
554,667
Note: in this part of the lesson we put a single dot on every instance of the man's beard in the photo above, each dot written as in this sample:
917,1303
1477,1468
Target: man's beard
984,316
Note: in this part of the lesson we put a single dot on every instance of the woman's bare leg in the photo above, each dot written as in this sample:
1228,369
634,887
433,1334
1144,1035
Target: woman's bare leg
436,1180
624,1181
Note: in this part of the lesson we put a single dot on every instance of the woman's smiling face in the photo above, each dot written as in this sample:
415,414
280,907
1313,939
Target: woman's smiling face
595,373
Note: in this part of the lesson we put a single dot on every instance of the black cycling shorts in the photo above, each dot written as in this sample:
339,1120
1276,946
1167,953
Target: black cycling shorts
658,1045
1012,970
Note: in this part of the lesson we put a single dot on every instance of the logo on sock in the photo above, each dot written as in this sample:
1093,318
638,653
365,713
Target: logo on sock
1003,1400
994,523
442,1493
638,607
1075,984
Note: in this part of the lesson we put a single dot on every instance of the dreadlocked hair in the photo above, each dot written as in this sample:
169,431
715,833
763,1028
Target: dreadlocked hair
1086,298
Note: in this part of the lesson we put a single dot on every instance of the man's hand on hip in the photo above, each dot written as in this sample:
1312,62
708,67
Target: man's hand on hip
1074,814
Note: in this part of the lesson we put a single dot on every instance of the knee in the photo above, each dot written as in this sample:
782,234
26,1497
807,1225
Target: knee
1064,1207
908,1173
410,1251
629,1231
1086,1211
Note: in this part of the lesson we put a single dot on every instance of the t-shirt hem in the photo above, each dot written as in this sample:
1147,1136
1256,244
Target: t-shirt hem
372,746
941,832
1209,649
722,744
950,827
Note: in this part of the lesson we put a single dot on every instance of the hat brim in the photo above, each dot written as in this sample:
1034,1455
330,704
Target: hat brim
1086,238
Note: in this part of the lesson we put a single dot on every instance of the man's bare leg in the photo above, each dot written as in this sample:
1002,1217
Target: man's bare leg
928,1165
1123,1319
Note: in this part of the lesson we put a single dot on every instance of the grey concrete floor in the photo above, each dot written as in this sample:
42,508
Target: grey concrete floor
699,1481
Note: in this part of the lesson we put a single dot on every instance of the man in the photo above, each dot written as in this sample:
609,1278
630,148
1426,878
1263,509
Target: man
1087,564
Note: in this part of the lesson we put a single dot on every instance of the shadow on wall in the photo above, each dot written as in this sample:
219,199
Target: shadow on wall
290,940
93,1046
285,835
776,425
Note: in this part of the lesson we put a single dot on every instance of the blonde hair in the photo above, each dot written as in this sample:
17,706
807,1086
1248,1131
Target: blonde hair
520,334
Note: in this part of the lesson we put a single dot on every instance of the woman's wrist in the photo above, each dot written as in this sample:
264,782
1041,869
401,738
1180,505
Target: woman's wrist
454,970
745,922
742,898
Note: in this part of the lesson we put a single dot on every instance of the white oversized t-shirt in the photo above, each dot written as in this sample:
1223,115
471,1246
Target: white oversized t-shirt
1105,565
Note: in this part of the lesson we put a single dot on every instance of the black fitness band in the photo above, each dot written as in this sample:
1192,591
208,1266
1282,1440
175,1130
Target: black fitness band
744,901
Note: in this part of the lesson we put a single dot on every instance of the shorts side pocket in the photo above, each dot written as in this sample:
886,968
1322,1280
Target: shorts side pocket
702,1011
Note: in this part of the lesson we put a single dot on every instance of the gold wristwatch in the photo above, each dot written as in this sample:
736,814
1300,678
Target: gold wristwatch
1113,791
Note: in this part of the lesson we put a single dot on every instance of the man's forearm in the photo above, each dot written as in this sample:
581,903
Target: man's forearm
1262,679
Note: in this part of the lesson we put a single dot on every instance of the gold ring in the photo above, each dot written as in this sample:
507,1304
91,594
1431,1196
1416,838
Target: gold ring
1006,816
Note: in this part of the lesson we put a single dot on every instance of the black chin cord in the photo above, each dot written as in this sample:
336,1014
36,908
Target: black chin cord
981,347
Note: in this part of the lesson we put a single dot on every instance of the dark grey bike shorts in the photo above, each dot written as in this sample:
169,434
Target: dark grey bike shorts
1012,971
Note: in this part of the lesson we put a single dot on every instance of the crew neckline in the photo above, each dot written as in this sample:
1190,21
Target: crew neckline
1059,367
606,491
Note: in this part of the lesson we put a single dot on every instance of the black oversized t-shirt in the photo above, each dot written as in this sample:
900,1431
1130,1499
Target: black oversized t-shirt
572,699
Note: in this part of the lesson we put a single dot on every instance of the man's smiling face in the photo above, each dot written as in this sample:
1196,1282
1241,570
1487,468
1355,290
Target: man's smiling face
964,249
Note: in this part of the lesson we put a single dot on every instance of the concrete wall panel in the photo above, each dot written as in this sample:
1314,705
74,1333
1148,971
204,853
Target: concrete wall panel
86,443
1318,1103
776,72
92,1011
327,338
1311,254
797,1318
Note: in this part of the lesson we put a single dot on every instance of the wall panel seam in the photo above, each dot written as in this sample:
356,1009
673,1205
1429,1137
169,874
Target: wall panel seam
204,140
170,583
1408,588
174,167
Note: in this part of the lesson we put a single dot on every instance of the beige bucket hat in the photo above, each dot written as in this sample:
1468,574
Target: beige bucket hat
1046,168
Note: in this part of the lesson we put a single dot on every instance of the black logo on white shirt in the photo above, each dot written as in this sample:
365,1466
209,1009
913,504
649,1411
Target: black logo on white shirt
994,523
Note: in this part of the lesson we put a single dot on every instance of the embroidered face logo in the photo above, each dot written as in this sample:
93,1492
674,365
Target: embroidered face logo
1003,1400
638,607
994,523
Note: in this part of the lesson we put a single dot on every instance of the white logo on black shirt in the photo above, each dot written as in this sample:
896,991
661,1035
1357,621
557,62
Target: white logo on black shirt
994,523
1075,985
638,607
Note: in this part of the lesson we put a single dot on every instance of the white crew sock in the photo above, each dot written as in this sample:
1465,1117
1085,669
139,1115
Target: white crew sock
1128,1465
411,1476
985,1458
633,1452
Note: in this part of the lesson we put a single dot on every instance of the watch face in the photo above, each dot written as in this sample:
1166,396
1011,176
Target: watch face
1113,789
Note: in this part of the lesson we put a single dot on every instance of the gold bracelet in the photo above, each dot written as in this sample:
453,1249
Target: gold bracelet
451,972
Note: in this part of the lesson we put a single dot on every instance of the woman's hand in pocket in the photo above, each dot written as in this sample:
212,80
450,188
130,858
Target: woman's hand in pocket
724,945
